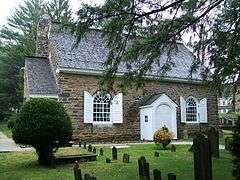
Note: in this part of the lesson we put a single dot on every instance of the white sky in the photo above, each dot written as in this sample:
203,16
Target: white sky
7,7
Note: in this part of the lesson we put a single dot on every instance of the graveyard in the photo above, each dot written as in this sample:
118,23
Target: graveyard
180,163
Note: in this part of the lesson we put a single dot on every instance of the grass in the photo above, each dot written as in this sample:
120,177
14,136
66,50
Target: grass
23,165
5,130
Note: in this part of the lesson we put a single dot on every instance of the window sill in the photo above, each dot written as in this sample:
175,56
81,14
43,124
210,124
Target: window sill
192,122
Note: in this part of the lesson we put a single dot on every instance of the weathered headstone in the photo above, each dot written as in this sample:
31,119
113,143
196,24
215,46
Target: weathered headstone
108,160
101,152
190,148
157,174
213,137
88,177
228,142
84,144
143,169
77,171
80,143
89,148
185,134
126,158
156,154
94,150
173,148
114,153
171,176
202,158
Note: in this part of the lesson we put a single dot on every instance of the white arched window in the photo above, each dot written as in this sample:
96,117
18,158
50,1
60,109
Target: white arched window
191,110
101,107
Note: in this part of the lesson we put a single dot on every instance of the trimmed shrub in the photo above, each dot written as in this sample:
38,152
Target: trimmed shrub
163,136
41,123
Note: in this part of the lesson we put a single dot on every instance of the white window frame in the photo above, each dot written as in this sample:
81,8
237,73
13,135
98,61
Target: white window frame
110,110
197,113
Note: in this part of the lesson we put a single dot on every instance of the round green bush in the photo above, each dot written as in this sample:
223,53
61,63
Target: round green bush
41,123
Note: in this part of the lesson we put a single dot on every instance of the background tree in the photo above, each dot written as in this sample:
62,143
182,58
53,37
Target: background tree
60,11
41,123
18,39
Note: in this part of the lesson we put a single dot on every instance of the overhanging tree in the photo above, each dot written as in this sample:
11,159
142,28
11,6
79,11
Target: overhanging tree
137,29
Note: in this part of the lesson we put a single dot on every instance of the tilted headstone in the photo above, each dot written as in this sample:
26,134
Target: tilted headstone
77,171
202,158
213,137
171,176
88,177
190,148
156,154
143,169
126,158
157,174
101,152
173,148
185,134
108,160
228,142
94,150
114,153
85,145
89,148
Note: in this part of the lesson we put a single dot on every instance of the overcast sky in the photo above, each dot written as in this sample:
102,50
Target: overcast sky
7,7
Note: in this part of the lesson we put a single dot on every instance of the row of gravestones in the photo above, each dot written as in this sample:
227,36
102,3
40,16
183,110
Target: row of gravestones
143,171
203,149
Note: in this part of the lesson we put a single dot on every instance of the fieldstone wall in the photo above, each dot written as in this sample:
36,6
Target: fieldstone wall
73,85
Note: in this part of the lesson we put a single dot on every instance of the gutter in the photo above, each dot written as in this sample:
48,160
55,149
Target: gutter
100,73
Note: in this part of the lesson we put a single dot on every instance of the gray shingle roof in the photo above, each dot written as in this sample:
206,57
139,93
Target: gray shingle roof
39,76
91,54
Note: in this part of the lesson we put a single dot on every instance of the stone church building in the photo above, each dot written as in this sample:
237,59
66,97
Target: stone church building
70,75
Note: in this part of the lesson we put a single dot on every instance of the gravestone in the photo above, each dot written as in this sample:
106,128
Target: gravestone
173,148
80,143
171,176
88,177
94,150
77,171
108,160
126,158
84,145
143,169
213,137
101,152
156,154
185,134
202,158
190,148
89,148
114,153
157,174
228,142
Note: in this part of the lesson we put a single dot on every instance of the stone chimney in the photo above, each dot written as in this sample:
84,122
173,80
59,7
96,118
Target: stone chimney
42,43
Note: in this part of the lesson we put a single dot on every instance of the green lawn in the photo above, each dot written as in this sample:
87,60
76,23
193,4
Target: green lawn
5,130
25,166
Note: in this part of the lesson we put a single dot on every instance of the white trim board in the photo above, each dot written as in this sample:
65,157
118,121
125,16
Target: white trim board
42,96
100,73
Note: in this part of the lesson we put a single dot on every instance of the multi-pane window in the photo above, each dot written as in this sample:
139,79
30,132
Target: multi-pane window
191,110
101,107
